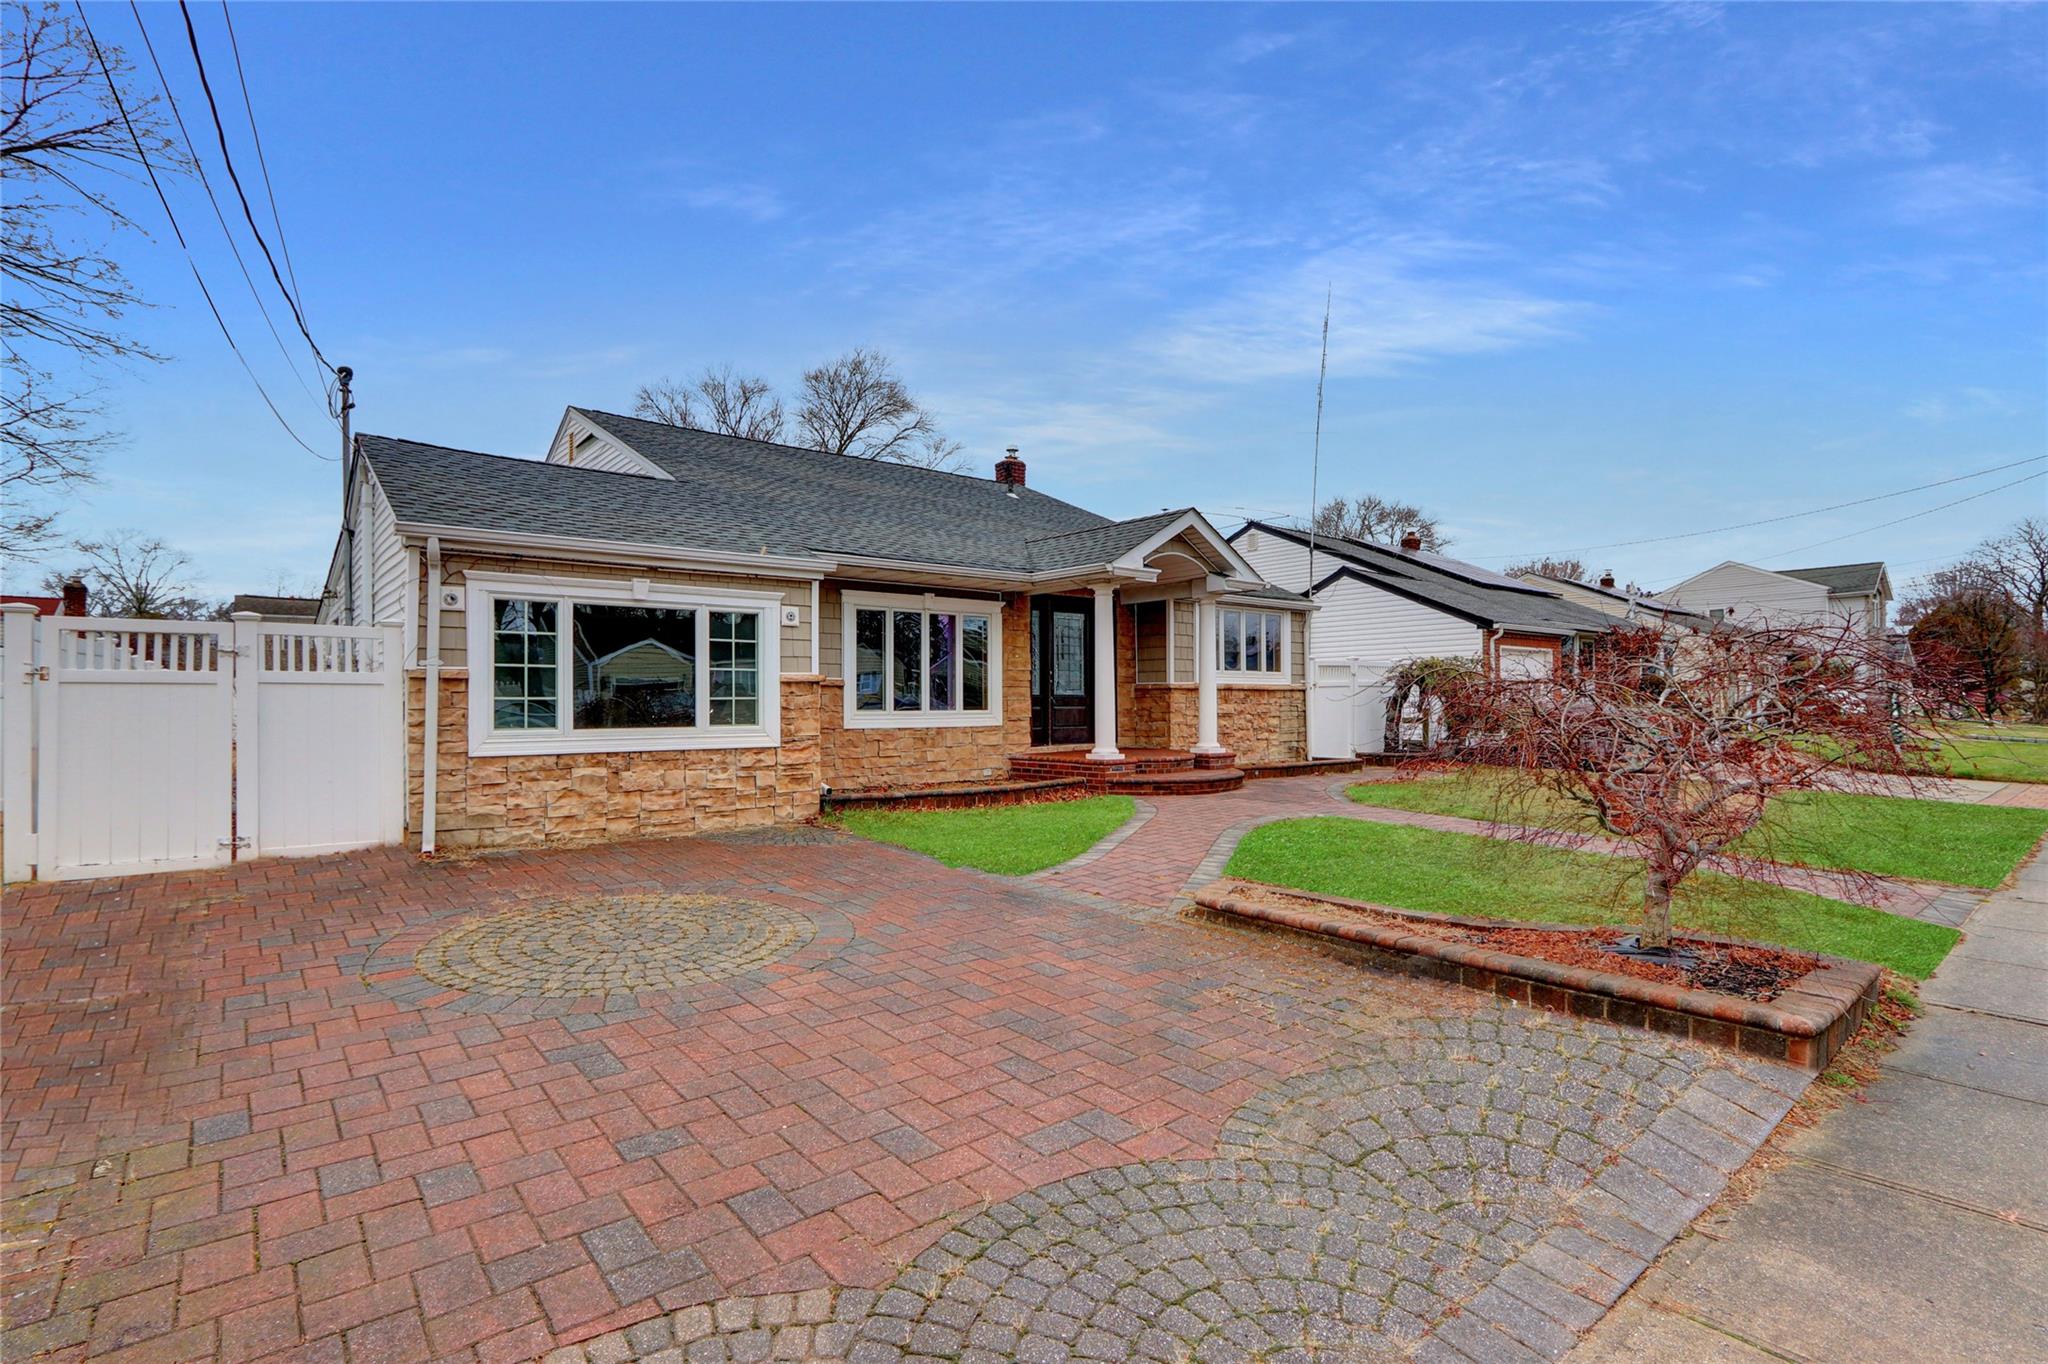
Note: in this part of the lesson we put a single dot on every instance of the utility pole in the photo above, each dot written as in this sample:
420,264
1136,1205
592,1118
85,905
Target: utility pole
1315,465
346,402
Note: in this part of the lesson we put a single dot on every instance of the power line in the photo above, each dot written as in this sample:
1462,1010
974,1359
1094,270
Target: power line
227,157
262,166
1913,516
1773,520
206,293
207,184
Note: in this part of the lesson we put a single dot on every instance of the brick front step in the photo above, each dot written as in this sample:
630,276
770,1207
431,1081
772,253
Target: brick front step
1301,767
955,797
1804,1026
1072,762
1198,782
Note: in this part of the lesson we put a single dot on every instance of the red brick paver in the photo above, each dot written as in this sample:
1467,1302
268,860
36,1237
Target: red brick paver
222,1141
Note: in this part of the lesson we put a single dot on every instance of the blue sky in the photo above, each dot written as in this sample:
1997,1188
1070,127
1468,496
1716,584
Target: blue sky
1599,273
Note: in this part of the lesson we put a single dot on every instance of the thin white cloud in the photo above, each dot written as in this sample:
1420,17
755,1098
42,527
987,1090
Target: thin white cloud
1936,409
1961,192
1393,305
756,202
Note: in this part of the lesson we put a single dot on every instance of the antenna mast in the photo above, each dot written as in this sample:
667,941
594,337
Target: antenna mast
1315,463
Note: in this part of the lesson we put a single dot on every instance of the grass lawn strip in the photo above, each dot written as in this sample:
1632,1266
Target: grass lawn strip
1009,840
1993,759
1446,873
1920,840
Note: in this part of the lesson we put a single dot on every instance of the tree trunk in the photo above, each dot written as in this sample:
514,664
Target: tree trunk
1658,884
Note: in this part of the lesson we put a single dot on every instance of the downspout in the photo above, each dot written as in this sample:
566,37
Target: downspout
430,735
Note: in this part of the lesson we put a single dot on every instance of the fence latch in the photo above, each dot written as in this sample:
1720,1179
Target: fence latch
238,842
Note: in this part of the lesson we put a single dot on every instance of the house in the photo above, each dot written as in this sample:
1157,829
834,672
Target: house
1380,606
276,608
661,630
1858,593
1624,604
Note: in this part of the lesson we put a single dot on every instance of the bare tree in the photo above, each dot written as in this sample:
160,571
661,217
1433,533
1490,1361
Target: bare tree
132,575
1675,742
857,405
64,140
1572,569
670,403
1378,521
1990,608
720,400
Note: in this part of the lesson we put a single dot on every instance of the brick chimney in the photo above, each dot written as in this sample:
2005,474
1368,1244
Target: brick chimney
1411,542
1607,579
1010,469
74,599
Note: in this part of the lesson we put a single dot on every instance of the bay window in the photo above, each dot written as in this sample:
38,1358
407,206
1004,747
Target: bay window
914,660
1252,642
573,666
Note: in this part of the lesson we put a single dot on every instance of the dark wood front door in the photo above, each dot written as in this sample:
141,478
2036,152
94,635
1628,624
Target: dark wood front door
1062,670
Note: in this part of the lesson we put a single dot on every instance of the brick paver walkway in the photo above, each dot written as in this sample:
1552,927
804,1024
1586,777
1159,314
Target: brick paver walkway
1186,842
297,1110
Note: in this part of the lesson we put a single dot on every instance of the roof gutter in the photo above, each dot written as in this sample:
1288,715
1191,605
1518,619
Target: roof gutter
782,565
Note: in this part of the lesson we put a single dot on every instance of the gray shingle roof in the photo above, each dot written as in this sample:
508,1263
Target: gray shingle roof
1463,589
1839,578
1644,600
733,495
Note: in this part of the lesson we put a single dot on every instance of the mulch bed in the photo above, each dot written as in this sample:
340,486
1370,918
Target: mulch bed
1755,973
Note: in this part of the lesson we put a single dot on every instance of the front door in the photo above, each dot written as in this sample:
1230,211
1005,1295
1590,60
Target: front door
1062,670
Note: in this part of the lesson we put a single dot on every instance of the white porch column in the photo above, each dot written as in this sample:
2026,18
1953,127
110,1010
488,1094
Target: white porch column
1105,749
1205,677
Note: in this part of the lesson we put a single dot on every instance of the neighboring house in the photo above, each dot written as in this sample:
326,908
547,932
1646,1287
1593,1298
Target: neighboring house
660,630
1744,593
276,608
1624,604
1378,607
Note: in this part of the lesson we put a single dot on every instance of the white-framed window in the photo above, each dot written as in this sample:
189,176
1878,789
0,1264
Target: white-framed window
921,660
1251,643
562,665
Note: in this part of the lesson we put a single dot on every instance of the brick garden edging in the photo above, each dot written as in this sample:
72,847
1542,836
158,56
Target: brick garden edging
1805,1026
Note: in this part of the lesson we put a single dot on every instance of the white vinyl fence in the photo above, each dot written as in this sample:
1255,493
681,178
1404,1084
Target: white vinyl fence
146,745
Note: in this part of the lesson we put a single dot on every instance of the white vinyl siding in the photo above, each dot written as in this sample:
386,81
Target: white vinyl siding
1282,562
386,555
1363,624
1742,593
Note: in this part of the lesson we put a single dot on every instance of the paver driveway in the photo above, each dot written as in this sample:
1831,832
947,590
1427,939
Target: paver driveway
798,1095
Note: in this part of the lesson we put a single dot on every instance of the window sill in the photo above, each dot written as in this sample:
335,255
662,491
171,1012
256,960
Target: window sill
1224,679
629,741
952,719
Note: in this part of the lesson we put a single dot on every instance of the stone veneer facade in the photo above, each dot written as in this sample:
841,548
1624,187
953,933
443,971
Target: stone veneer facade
1259,724
513,800
873,759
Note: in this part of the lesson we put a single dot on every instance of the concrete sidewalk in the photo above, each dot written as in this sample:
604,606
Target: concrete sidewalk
1913,1226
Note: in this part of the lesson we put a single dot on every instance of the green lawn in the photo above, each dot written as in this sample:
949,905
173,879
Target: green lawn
1470,874
1010,840
1979,729
1926,840
1992,759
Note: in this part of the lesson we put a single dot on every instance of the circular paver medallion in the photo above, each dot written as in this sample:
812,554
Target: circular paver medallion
1347,1215
611,944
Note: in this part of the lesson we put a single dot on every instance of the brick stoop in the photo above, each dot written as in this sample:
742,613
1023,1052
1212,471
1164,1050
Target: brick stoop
1301,767
1193,782
1140,772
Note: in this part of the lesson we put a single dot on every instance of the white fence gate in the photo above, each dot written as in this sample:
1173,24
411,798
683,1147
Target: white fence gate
143,745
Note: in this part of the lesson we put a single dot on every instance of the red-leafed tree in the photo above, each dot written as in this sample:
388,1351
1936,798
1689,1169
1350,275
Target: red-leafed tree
1675,741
